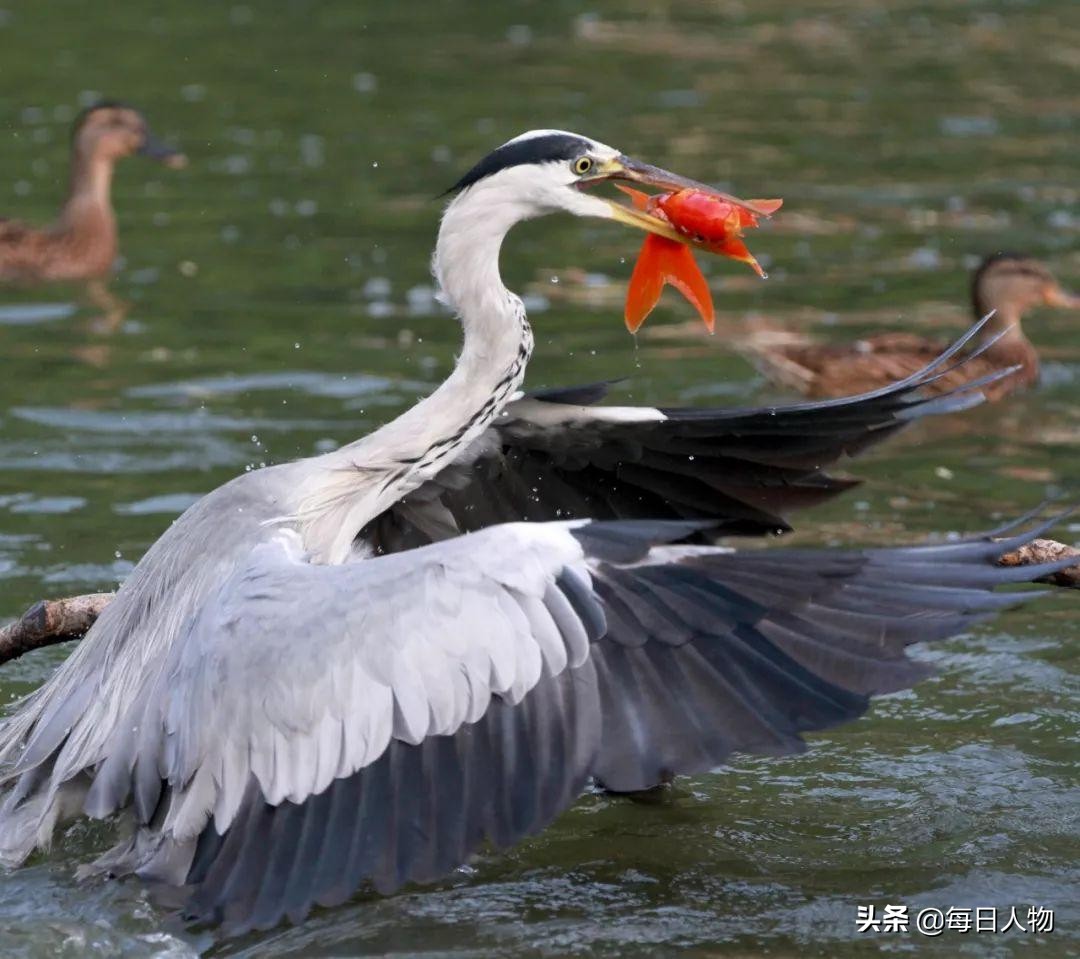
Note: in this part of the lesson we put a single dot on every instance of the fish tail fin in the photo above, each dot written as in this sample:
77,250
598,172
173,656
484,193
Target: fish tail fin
660,262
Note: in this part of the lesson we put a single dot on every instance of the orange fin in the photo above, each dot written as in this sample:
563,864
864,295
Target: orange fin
641,200
733,247
646,283
767,207
666,261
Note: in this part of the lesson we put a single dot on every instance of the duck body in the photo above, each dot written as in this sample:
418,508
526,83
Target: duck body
1006,285
82,244
823,370
74,248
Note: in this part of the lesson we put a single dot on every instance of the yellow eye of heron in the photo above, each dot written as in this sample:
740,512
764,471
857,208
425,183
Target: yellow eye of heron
583,165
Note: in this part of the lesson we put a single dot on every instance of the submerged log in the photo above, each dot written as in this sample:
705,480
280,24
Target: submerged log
1046,551
52,621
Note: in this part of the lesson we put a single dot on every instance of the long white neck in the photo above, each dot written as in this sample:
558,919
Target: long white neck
406,452
498,343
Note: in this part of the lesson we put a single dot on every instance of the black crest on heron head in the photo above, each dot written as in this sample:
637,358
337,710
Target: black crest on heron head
538,149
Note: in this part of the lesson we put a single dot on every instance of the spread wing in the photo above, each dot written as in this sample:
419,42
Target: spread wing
555,456
323,726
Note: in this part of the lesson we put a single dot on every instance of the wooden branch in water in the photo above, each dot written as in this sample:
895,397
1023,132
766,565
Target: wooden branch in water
53,621
1046,551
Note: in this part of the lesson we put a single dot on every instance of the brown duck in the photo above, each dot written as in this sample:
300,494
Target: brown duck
81,244
1009,284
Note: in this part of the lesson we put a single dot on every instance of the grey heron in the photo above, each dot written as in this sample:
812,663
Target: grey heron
358,667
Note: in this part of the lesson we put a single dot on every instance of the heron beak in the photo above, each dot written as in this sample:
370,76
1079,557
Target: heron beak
155,149
1056,296
623,169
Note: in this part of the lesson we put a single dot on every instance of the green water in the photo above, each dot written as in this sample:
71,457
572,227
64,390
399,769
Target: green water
280,304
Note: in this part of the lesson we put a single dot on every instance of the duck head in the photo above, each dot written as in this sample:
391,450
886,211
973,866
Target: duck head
110,130
1011,284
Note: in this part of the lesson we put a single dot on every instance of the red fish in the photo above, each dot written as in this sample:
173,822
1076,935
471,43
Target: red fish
715,222
709,221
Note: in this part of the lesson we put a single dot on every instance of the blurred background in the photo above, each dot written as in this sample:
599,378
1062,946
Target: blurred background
276,302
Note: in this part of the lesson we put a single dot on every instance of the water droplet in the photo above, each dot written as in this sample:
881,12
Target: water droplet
520,35
364,82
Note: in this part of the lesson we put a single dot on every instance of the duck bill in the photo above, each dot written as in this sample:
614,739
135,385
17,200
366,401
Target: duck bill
155,149
1056,296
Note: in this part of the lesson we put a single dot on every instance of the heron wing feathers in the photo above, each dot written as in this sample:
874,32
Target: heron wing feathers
310,744
297,674
553,455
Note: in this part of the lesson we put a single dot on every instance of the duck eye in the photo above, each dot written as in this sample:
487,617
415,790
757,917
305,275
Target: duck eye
583,165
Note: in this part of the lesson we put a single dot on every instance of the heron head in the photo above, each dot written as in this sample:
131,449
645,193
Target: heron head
550,171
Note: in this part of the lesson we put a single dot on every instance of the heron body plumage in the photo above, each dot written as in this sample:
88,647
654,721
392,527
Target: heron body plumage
359,666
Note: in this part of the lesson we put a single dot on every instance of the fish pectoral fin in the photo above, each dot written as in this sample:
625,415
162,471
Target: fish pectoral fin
641,200
733,248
